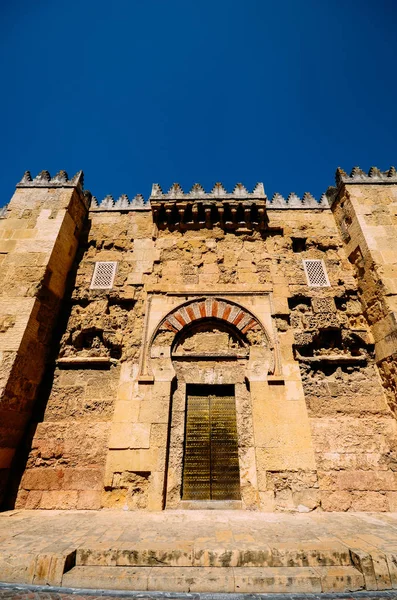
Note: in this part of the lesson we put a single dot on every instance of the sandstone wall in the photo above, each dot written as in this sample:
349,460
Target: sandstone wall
322,432
38,240
353,432
68,447
366,213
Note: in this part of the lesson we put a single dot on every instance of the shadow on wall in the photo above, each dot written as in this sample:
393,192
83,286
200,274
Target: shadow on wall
21,458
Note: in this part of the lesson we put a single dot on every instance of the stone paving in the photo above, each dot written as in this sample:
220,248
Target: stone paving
33,542
17,593
37,530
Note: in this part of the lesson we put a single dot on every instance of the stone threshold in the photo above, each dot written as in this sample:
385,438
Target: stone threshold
210,505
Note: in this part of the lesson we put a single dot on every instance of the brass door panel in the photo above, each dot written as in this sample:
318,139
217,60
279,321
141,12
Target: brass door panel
225,475
197,465
211,469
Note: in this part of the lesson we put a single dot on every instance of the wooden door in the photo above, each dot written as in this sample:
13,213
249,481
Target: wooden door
211,469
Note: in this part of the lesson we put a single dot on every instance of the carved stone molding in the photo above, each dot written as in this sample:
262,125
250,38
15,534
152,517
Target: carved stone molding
212,308
156,358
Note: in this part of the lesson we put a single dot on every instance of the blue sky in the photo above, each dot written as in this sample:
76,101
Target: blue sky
141,91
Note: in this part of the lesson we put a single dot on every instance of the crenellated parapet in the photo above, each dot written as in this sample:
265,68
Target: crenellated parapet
198,193
200,208
44,179
197,209
293,201
122,204
374,175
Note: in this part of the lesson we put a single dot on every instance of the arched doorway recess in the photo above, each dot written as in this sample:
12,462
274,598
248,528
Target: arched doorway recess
213,348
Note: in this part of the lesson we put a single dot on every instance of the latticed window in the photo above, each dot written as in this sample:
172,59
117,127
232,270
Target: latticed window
316,273
103,276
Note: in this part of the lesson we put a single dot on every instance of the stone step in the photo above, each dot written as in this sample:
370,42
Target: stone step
194,554
217,579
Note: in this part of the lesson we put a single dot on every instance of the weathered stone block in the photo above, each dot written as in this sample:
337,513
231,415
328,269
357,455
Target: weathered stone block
154,411
89,500
366,480
17,567
193,579
267,501
136,460
335,501
126,411
269,579
43,479
63,500
369,501
109,578
83,479
130,435
33,500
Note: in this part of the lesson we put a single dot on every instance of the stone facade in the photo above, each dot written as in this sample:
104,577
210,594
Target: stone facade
290,303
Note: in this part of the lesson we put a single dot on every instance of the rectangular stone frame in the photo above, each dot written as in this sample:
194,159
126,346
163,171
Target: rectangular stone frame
282,438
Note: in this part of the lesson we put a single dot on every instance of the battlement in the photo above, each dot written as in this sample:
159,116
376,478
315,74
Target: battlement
374,175
197,192
293,201
218,192
44,179
122,204
197,208
198,195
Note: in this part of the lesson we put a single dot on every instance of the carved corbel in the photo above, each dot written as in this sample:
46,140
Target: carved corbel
168,211
261,215
233,210
195,213
247,215
181,207
207,210
221,211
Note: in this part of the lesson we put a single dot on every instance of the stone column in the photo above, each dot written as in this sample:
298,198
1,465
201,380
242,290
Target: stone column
39,235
